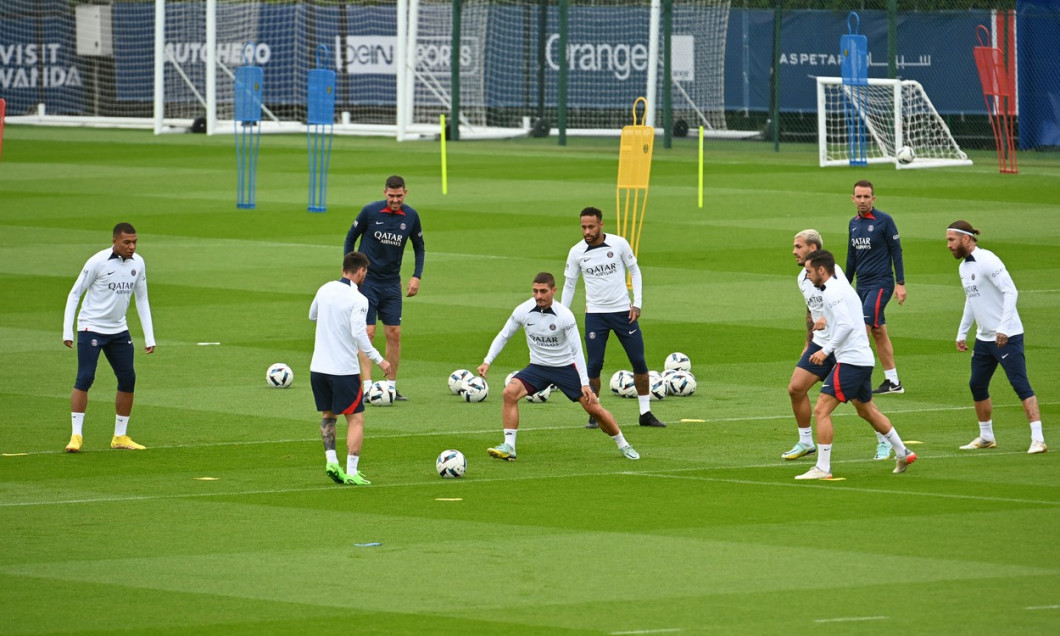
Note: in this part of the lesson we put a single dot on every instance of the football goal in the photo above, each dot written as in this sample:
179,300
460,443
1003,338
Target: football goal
895,113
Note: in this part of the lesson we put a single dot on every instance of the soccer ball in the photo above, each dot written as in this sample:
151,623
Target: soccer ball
474,389
678,361
380,394
682,384
623,385
540,396
905,155
451,464
456,378
279,376
657,386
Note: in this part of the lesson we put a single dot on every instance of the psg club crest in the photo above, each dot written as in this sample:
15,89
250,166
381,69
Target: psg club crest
610,254
402,226
973,276
95,343
552,327
870,227
592,335
134,272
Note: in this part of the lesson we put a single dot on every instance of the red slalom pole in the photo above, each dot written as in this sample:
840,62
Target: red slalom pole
998,93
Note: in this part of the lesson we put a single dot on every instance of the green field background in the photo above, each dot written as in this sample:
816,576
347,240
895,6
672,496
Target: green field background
707,534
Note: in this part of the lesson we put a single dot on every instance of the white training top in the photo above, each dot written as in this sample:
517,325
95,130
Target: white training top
604,268
843,312
551,335
990,297
108,283
339,311
815,303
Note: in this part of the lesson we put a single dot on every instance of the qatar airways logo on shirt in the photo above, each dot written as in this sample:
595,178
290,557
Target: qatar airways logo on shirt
389,238
120,288
815,302
545,341
972,291
861,243
602,270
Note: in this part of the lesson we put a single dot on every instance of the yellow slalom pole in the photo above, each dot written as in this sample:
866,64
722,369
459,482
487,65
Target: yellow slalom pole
700,166
445,175
634,171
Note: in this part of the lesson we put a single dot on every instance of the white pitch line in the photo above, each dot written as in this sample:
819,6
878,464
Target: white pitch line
1041,607
851,619
668,630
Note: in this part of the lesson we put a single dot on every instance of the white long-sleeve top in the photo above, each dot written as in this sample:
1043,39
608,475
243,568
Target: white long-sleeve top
339,311
990,297
108,282
551,335
815,302
604,268
843,311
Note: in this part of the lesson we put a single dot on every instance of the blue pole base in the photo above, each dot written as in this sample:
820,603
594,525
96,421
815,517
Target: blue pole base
858,162
245,206
317,208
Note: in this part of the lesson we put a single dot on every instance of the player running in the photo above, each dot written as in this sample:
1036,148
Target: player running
555,358
603,260
850,380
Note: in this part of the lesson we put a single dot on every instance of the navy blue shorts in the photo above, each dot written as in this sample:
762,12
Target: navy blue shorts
849,382
337,393
597,329
873,301
820,370
985,358
536,377
384,300
118,347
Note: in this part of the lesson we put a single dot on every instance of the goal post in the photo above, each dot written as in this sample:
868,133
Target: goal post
895,113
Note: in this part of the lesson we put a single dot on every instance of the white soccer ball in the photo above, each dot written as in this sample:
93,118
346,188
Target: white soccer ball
682,383
474,389
279,376
456,378
657,386
380,394
623,384
666,378
451,464
678,361
905,155
540,396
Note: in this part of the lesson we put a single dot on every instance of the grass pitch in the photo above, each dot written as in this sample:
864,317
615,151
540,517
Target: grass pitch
228,525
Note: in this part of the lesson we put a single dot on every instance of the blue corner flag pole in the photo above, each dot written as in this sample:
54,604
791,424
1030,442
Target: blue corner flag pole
320,108
854,51
247,128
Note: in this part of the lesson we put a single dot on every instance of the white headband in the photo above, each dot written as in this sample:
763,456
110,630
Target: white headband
953,229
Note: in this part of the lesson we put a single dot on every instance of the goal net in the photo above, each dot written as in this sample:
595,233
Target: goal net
895,113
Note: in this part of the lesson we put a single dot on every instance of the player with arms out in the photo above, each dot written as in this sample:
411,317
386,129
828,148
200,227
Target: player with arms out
108,281
990,301
555,358
850,380
603,260
334,372
874,257
384,227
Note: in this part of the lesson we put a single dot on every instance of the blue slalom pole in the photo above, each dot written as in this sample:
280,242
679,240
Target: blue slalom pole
248,87
320,120
854,50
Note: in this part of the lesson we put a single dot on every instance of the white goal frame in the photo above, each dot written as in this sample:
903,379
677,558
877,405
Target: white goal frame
910,120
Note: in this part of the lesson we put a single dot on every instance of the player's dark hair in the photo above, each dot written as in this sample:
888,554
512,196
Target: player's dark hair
865,183
591,211
544,278
822,258
353,262
394,182
124,228
965,226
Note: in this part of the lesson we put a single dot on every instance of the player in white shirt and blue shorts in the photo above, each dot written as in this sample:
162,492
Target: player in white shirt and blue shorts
108,281
850,380
555,358
603,260
334,372
990,302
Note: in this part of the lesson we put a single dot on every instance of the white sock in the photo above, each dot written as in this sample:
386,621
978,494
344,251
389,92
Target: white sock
986,430
333,457
824,457
509,436
393,385
77,420
881,438
1036,431
896,443
620,440
644,401
121,424
892,375
806,436
351,464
